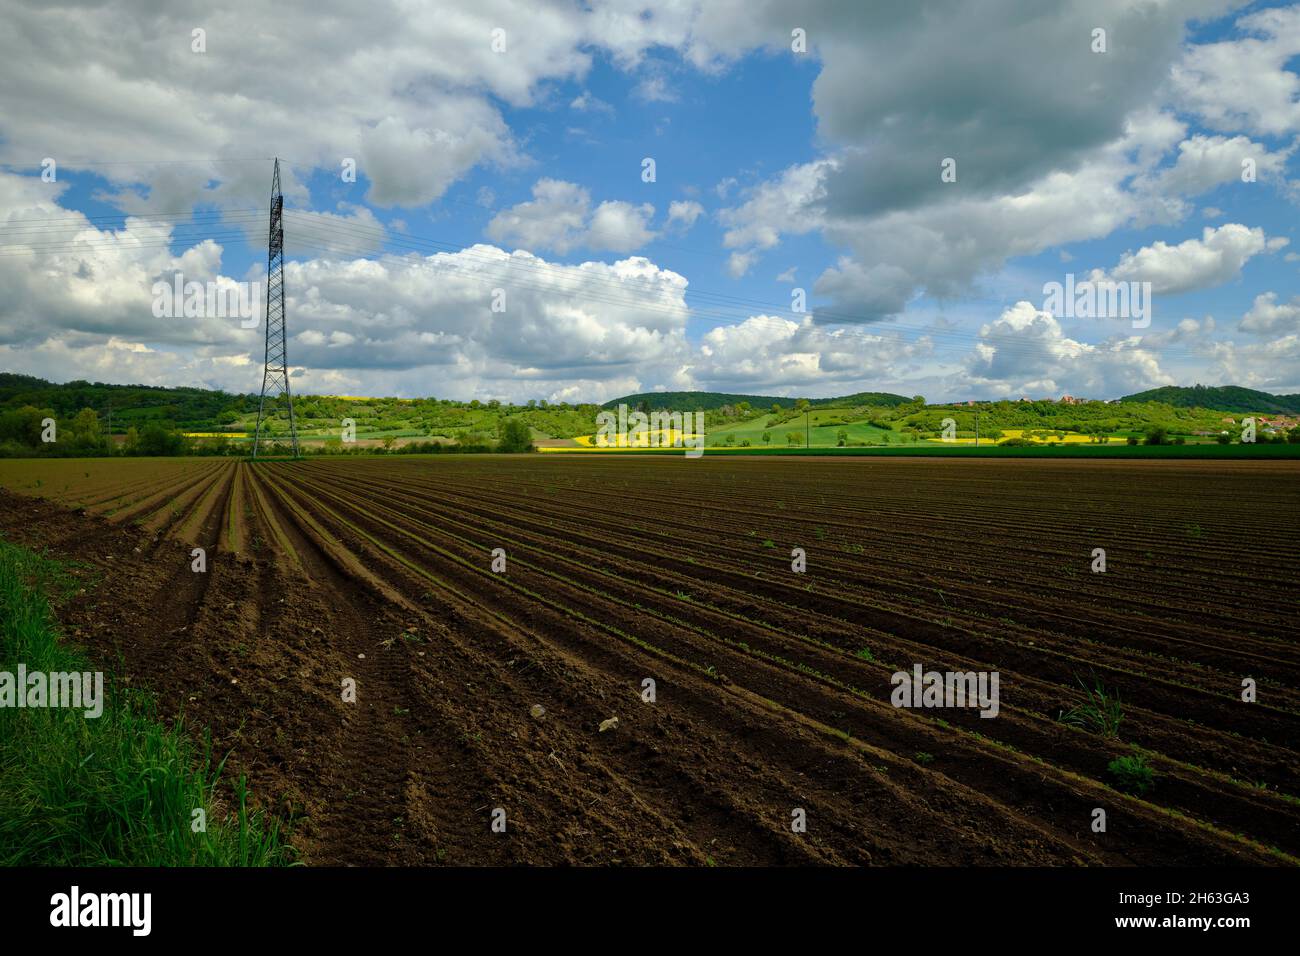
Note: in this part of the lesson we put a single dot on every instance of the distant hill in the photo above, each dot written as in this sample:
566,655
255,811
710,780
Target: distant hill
130,404
206,411
202,409
708,401
1227,398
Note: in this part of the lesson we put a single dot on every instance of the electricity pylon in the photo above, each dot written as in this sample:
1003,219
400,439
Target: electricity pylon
275,371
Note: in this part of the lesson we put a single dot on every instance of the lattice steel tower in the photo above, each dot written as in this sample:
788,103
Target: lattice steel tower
275,372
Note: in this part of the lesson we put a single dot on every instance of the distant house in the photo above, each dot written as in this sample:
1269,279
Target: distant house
1279,422
1071,400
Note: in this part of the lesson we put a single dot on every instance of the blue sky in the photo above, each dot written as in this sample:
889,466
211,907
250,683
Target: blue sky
520,169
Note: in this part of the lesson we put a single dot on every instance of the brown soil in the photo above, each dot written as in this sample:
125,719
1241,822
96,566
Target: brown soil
379,571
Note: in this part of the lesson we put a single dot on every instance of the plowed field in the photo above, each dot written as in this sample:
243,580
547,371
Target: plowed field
772,688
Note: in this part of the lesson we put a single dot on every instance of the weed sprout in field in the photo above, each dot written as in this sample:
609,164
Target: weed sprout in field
1132,774
1101,713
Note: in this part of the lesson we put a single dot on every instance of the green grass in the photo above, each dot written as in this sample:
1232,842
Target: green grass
822,434
1101,713
117,790
1131,774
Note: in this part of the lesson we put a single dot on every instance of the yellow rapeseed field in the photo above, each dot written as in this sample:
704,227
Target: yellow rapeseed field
654,438
1008,433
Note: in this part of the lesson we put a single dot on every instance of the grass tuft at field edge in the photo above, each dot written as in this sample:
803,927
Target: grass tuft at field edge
117,790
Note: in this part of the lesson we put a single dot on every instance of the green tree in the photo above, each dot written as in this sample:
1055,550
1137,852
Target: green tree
767,438
159,441
23,425
515,436
85,427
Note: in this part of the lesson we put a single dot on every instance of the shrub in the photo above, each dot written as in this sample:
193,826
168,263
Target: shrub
515,436
1131,774
159,441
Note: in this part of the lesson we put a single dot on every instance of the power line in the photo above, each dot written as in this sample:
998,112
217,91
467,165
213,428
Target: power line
77,218
335,235
69,246
329,235
717,305
322,220
540,217
78,162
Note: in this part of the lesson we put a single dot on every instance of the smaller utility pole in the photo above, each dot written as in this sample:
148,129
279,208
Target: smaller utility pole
807,428
977,426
